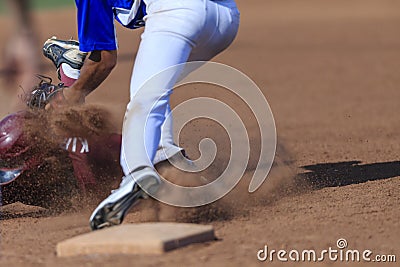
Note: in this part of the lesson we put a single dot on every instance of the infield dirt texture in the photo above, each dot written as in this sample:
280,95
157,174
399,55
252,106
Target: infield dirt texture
331,73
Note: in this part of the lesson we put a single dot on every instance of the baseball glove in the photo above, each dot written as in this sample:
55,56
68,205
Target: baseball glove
44,93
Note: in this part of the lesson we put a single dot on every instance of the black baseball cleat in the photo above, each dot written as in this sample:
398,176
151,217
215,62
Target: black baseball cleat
64,51
113,209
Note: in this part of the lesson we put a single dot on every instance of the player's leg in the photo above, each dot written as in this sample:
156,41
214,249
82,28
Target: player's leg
172,29
219,31
168,39
167,149
145,116
21,61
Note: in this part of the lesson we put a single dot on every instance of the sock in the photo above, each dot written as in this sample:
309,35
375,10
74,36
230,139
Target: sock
68,75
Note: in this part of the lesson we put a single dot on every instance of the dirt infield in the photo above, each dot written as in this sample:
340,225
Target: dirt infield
330,71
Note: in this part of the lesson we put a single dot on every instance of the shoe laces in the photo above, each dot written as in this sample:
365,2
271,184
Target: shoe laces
54,52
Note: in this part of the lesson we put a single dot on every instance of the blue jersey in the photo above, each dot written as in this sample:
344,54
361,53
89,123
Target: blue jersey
96,29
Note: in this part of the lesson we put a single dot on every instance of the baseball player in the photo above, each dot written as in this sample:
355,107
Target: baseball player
175,32
25,153
20,59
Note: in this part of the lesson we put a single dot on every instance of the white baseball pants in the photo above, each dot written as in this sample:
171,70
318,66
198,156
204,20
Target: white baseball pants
176,31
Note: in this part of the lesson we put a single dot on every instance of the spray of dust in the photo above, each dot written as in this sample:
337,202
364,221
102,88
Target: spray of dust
281,182
59,192
51,183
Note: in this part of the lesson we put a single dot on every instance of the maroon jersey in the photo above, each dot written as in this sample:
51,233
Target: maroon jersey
19,154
